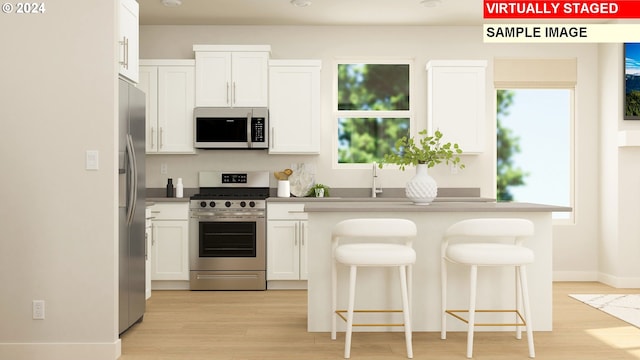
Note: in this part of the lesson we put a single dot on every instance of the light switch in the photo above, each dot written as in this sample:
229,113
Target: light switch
91,161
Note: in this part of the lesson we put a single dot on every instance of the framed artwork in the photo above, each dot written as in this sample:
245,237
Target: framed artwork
632,81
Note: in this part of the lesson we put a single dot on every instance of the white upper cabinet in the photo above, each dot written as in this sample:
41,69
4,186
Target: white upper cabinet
294,106
232,76
170,87
128,39
456,98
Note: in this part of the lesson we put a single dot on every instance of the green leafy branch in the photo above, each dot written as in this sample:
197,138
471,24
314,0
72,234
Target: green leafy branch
427,150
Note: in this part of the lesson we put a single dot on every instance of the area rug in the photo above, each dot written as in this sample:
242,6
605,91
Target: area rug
624,307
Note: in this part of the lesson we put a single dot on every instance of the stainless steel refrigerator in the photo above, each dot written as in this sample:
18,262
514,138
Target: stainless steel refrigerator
132,245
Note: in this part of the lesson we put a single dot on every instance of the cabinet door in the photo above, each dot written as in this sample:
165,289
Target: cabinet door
283,260
176,86
250,79
213,79
304,245
148,82
456,102
170,258
148,237
294,109
128,40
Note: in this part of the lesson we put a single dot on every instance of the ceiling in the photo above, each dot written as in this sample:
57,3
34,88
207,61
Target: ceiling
320,12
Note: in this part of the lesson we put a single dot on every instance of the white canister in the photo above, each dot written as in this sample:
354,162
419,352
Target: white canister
284,188
179,188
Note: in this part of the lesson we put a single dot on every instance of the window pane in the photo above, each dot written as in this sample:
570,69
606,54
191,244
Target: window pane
365,140
373,87
534,139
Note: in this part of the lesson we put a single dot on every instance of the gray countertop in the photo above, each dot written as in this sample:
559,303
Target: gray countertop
442,206
377,199
166,199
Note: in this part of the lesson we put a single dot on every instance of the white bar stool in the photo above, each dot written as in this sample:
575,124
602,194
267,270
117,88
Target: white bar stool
489,252
372,254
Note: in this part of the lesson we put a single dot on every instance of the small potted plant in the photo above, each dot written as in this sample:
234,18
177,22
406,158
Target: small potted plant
318,190
425,152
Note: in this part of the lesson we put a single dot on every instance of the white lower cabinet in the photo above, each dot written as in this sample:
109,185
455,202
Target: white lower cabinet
170,242
287,236
148,238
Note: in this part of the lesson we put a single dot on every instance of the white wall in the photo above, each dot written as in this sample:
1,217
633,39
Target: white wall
620,176
57,221
421,44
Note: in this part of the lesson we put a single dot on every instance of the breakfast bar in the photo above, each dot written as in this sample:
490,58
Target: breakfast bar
380,286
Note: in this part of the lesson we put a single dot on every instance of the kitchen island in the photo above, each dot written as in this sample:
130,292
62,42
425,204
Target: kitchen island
379,288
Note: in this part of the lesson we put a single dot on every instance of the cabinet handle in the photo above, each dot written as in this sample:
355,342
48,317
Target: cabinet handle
302,233
125,52
228,103
297,235
153,135
233,97
160,142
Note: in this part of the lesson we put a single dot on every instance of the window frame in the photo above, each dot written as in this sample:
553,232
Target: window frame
337,114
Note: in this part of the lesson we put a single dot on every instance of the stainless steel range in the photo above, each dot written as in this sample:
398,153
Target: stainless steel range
227,241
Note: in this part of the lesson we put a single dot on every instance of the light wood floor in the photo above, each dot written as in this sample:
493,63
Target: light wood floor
272,325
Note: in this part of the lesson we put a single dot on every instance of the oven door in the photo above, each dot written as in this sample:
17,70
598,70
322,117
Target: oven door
227,252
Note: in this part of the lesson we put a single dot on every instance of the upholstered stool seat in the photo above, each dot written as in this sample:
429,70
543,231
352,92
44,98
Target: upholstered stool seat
369,253
375,254
489,254
489,242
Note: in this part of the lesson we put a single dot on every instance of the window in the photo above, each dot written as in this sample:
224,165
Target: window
534,147
372,109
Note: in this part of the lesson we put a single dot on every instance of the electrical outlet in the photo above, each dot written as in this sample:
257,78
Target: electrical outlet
38,309
454,169
163,169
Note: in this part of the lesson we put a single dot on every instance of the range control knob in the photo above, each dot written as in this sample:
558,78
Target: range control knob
203,204
252,204
212,204
243,204
227,204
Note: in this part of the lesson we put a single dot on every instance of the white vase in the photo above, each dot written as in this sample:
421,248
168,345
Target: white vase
422,188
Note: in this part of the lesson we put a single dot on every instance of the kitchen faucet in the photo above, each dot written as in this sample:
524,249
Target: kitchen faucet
374,188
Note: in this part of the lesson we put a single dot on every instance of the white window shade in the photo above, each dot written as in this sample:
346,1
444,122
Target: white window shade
535,73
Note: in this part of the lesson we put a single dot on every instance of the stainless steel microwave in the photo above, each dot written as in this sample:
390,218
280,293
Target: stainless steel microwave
231,128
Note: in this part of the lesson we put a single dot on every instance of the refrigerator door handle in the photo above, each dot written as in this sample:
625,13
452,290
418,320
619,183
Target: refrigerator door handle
122,187
133,180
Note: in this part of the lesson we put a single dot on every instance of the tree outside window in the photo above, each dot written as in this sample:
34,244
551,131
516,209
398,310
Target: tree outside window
373,110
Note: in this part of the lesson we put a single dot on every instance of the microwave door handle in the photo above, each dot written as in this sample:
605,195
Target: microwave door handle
249,142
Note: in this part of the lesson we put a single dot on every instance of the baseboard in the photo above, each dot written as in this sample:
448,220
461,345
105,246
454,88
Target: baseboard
55,351
575,276
170,285
286,285
619,282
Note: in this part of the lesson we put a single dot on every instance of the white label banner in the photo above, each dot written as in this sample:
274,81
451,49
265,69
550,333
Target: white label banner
561,33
